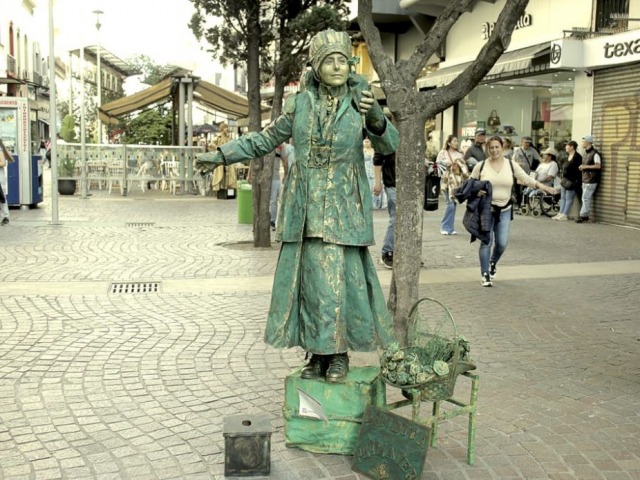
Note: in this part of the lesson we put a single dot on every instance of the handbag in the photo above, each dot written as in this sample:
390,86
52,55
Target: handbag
494,119
537,122
431,193
566,183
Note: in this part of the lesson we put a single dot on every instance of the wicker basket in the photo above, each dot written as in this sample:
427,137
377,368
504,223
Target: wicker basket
435,387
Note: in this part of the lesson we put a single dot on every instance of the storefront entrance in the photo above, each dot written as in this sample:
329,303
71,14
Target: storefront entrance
538,106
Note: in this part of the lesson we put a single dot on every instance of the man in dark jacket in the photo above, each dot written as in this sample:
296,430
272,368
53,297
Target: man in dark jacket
590,168
384,168
475,153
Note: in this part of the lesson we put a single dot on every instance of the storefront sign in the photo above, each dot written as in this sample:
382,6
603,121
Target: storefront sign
525,20
596,52
43,109
567,53
622,49
612,49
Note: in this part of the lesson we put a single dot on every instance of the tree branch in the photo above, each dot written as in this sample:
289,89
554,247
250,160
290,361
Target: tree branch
412,67
438,99
385,67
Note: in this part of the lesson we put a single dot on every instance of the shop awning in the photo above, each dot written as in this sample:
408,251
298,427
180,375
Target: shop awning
510,62
159,93
11,80
223,101
205,93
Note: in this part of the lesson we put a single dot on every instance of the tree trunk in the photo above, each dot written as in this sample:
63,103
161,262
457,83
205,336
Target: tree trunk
410,176
278,95
261,168
411,109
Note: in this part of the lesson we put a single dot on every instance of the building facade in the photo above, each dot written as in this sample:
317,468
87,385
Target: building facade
24,68
572,68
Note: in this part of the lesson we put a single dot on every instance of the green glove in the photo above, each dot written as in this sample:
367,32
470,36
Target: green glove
207,162
375,118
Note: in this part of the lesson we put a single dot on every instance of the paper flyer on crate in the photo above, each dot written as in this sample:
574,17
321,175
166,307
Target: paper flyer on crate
310,407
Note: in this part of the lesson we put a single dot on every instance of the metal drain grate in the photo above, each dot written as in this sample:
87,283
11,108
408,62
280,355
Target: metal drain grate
135,287
139,224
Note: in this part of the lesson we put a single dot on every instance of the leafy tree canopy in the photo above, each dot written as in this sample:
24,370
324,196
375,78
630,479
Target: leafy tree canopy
152,73
286,28
150,127
67,130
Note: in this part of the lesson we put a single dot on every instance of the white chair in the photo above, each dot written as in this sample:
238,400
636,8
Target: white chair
172,170
116,174
97,172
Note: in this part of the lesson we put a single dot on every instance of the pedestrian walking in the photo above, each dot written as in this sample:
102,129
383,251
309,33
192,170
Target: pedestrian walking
385,173
501,174
476,152
5,159
451,162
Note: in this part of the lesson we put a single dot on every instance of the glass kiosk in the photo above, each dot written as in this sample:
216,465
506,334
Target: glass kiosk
24,175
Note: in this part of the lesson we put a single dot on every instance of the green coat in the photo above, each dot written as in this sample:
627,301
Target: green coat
326,297
347,217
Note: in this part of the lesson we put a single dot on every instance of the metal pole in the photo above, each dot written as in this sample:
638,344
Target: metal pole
53,119
181,124
83,130
99,80
188,171
181,95
70,84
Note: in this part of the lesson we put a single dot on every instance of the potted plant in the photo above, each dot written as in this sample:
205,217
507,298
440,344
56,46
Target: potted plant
66,169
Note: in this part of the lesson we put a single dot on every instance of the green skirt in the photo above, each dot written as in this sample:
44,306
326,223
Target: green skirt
327,299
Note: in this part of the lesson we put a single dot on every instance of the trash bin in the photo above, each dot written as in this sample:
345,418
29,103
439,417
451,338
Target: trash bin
245,203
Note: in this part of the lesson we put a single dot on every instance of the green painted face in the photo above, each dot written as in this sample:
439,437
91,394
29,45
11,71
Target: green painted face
334,70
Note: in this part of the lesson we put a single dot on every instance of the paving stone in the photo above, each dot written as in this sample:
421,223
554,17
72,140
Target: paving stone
94,385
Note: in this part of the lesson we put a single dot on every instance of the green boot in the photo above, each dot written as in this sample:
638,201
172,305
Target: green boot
314,369
338,368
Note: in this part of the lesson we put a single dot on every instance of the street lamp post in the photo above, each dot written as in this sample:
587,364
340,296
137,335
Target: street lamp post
99,75
53,122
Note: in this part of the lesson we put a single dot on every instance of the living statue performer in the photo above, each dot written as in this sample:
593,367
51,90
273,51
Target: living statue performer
326,296
223,177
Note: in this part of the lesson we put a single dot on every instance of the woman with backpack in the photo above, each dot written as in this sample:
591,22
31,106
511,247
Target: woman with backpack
502,174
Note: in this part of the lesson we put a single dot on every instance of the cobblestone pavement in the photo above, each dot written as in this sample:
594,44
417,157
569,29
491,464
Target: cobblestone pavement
102,385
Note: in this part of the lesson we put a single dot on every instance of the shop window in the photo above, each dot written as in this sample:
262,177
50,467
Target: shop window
540,107
605,9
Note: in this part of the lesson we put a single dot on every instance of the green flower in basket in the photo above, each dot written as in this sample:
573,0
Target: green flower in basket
432,366
440,367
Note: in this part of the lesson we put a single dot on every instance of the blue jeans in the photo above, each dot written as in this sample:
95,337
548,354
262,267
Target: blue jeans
388,244
273,202
566,200
449,214
499,236
588,189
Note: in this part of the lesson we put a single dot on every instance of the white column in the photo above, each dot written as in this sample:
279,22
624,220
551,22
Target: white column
99,79
53,119
83,127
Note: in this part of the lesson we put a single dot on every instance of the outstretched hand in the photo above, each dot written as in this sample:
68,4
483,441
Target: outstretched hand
548,189
366,102
207,162
372,111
